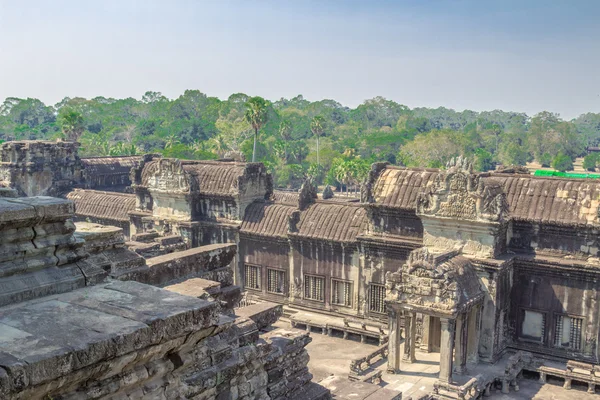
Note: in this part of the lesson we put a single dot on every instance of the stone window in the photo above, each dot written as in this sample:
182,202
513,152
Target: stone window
533,326
275,281
314,287
252,280
567,332
341,293
377,298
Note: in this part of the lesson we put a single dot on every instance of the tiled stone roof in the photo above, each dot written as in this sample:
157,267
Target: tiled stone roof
332,221
551,200
110,165
399,187
267,219
98,204
284,197
530,198
217,178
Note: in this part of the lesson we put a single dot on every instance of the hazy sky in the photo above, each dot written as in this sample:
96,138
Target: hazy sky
480,54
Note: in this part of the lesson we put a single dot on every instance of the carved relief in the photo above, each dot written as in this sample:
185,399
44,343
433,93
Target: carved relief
443,281
458,193
166,175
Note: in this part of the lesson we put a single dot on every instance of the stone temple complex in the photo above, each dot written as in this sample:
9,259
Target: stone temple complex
122,277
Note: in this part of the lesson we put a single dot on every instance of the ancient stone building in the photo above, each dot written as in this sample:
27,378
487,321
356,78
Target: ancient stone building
471,265
77,323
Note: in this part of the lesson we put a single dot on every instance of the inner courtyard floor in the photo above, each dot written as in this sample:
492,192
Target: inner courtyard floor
331,355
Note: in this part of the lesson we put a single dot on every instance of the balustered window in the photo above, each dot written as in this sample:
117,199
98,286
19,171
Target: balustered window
377,298
252,280
314,287
341,293
275,281
567,332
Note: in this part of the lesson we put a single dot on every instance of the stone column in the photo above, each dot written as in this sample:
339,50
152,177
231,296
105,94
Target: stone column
446,349
474,332
394,328
461,340
425,340
410,325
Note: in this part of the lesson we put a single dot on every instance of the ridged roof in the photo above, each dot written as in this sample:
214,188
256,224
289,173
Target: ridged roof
530,198
284,197
98,204
551,200
331,221
267,219
399,187
110,165
219,178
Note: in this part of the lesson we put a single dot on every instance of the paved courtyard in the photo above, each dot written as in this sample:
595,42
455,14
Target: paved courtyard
332,356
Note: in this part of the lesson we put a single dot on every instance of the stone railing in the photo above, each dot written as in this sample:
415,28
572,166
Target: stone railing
361,368
470,390
585,373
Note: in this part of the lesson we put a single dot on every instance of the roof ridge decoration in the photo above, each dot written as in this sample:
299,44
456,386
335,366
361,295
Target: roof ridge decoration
458,193
307,194
366,190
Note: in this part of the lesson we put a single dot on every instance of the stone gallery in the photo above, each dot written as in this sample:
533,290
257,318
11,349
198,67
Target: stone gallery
496,272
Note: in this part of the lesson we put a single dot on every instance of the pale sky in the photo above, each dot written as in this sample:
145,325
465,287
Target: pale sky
479,55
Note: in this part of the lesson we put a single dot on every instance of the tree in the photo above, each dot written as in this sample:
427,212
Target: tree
285,131
562,163
256,116
317,126
590,161
71,123
171,141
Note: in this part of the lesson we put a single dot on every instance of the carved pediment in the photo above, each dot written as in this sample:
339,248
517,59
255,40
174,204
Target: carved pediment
443,281
166,175
458,193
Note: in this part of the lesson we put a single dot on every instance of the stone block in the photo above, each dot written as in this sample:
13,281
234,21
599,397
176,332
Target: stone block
263,314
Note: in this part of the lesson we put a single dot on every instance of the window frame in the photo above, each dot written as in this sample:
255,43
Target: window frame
382,286
285,285
522,338
581,332
350,291
258,278
324,282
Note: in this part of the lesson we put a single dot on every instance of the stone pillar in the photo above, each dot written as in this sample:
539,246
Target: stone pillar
474,333
425,340
446,349
461,339
394,341
410,324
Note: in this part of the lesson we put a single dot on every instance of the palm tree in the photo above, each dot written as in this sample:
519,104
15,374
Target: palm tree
71,123
219,144
256,115
317,126
171,141
285,130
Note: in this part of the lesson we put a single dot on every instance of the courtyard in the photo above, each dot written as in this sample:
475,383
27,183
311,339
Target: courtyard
332,355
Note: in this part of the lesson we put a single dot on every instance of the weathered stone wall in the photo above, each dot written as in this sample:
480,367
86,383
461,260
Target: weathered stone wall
39,255
329,261
40,168
581,241
387,222
183,349
555,290
87,336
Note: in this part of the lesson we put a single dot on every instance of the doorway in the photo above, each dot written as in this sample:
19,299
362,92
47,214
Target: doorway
435,334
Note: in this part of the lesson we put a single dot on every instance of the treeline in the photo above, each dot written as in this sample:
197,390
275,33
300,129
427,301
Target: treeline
297,138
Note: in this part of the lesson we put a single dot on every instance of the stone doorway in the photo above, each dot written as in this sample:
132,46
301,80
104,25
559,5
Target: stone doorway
435,332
